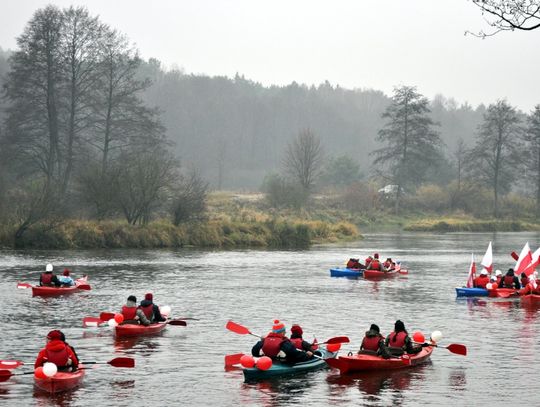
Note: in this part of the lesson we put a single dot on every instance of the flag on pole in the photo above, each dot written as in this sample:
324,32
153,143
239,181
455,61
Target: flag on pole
487,261
525,258
535,262
472,273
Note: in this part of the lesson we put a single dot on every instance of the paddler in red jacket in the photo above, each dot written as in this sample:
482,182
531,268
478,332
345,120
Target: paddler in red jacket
277,346
150,309
399,342
375,264
57,351
373,341
510,280
132,314
48,279
482,280
298,341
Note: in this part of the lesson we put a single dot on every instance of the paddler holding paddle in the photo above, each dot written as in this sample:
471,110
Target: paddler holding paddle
59,352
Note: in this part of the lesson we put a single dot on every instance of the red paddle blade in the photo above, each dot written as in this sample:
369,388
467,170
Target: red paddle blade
457,348
10,364
514,256
338,339
5,375
239,329
177,322
84,287
105,316
231,360
92,321
122,362
24,285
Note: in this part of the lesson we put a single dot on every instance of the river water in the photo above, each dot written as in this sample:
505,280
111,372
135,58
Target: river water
184,365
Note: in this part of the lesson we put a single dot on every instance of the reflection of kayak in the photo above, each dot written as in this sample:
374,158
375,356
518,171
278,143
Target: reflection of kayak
471,292
137,330
530,299
376,274
283,369
45,291
61,381
358,363
346,272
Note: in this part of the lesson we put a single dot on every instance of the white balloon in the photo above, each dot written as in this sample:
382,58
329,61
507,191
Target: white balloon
112,323
49,267
436,336
165,310
49,369
489,286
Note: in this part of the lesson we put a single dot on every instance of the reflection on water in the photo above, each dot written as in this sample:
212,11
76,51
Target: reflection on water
184,365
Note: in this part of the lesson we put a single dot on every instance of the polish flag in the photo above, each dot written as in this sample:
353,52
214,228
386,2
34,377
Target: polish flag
487,261
472,273
524,259
535,262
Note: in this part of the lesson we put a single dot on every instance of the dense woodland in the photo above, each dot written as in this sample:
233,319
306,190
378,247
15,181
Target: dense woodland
90,130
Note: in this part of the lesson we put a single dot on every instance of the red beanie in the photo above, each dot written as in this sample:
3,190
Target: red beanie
56,334
278,327
66,272
297,329
148,296
376,255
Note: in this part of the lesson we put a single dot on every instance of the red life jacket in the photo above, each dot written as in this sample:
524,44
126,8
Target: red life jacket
368,260
353,264
508,281
129,313
481,281
148,311
297,342
46,278
524,281
371,343
56,352
375,264
400,339
272,344
499,279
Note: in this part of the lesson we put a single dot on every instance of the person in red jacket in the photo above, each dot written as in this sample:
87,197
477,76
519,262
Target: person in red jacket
59,352
151,310
373,341
297,340
132,314
482,280
48,279
498,274
399,342
277,346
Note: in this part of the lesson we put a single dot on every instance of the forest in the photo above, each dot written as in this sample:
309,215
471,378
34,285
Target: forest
91,131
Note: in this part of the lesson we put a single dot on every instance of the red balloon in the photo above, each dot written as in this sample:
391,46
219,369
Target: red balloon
38,373
264,363
418,337
119,318
333,347
247,361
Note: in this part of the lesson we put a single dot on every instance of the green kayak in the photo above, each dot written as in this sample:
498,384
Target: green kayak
279,369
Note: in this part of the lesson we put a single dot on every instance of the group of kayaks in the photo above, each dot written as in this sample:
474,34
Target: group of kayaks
367,274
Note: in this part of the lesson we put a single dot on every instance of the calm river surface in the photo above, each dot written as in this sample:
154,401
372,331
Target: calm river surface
184,365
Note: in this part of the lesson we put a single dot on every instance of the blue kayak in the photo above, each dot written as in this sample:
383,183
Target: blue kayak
279,369
471,292
345,272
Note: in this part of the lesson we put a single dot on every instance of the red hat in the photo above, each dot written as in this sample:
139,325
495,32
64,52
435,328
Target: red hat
297,329
56,334
66,272
278,327
376,255
148,296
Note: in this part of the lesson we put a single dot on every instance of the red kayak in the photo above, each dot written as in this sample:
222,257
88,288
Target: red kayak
138,330
377,275
46,291
530,299
503,293
61,381
358,363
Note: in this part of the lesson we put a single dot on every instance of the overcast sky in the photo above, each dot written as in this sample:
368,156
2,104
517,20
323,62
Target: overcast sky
354,43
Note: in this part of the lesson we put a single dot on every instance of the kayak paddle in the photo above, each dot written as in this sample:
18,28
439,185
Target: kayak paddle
239,329
231,360
84,287
105,316
24,285
453,347
116,362
92,321
336,339
10,364
176,322
6,374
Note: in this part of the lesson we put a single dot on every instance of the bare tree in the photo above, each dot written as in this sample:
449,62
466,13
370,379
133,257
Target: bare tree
189,200
509,15
303,159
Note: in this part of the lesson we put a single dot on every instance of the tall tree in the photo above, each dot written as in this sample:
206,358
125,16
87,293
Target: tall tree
411,143
303,159
496,155
532,156
509,15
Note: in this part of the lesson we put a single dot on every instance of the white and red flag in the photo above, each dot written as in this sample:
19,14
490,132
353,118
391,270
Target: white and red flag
487,260
472,273
524,259
535,262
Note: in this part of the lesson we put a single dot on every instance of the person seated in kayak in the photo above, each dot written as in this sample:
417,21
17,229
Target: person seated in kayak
389,264
367,261
48,279
65,279
399,342
373,341
482,280
492,285
523,280
354,264
151,310
375,264
277,346
297,340
532,287
510,280
59,352
498,274
133,314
